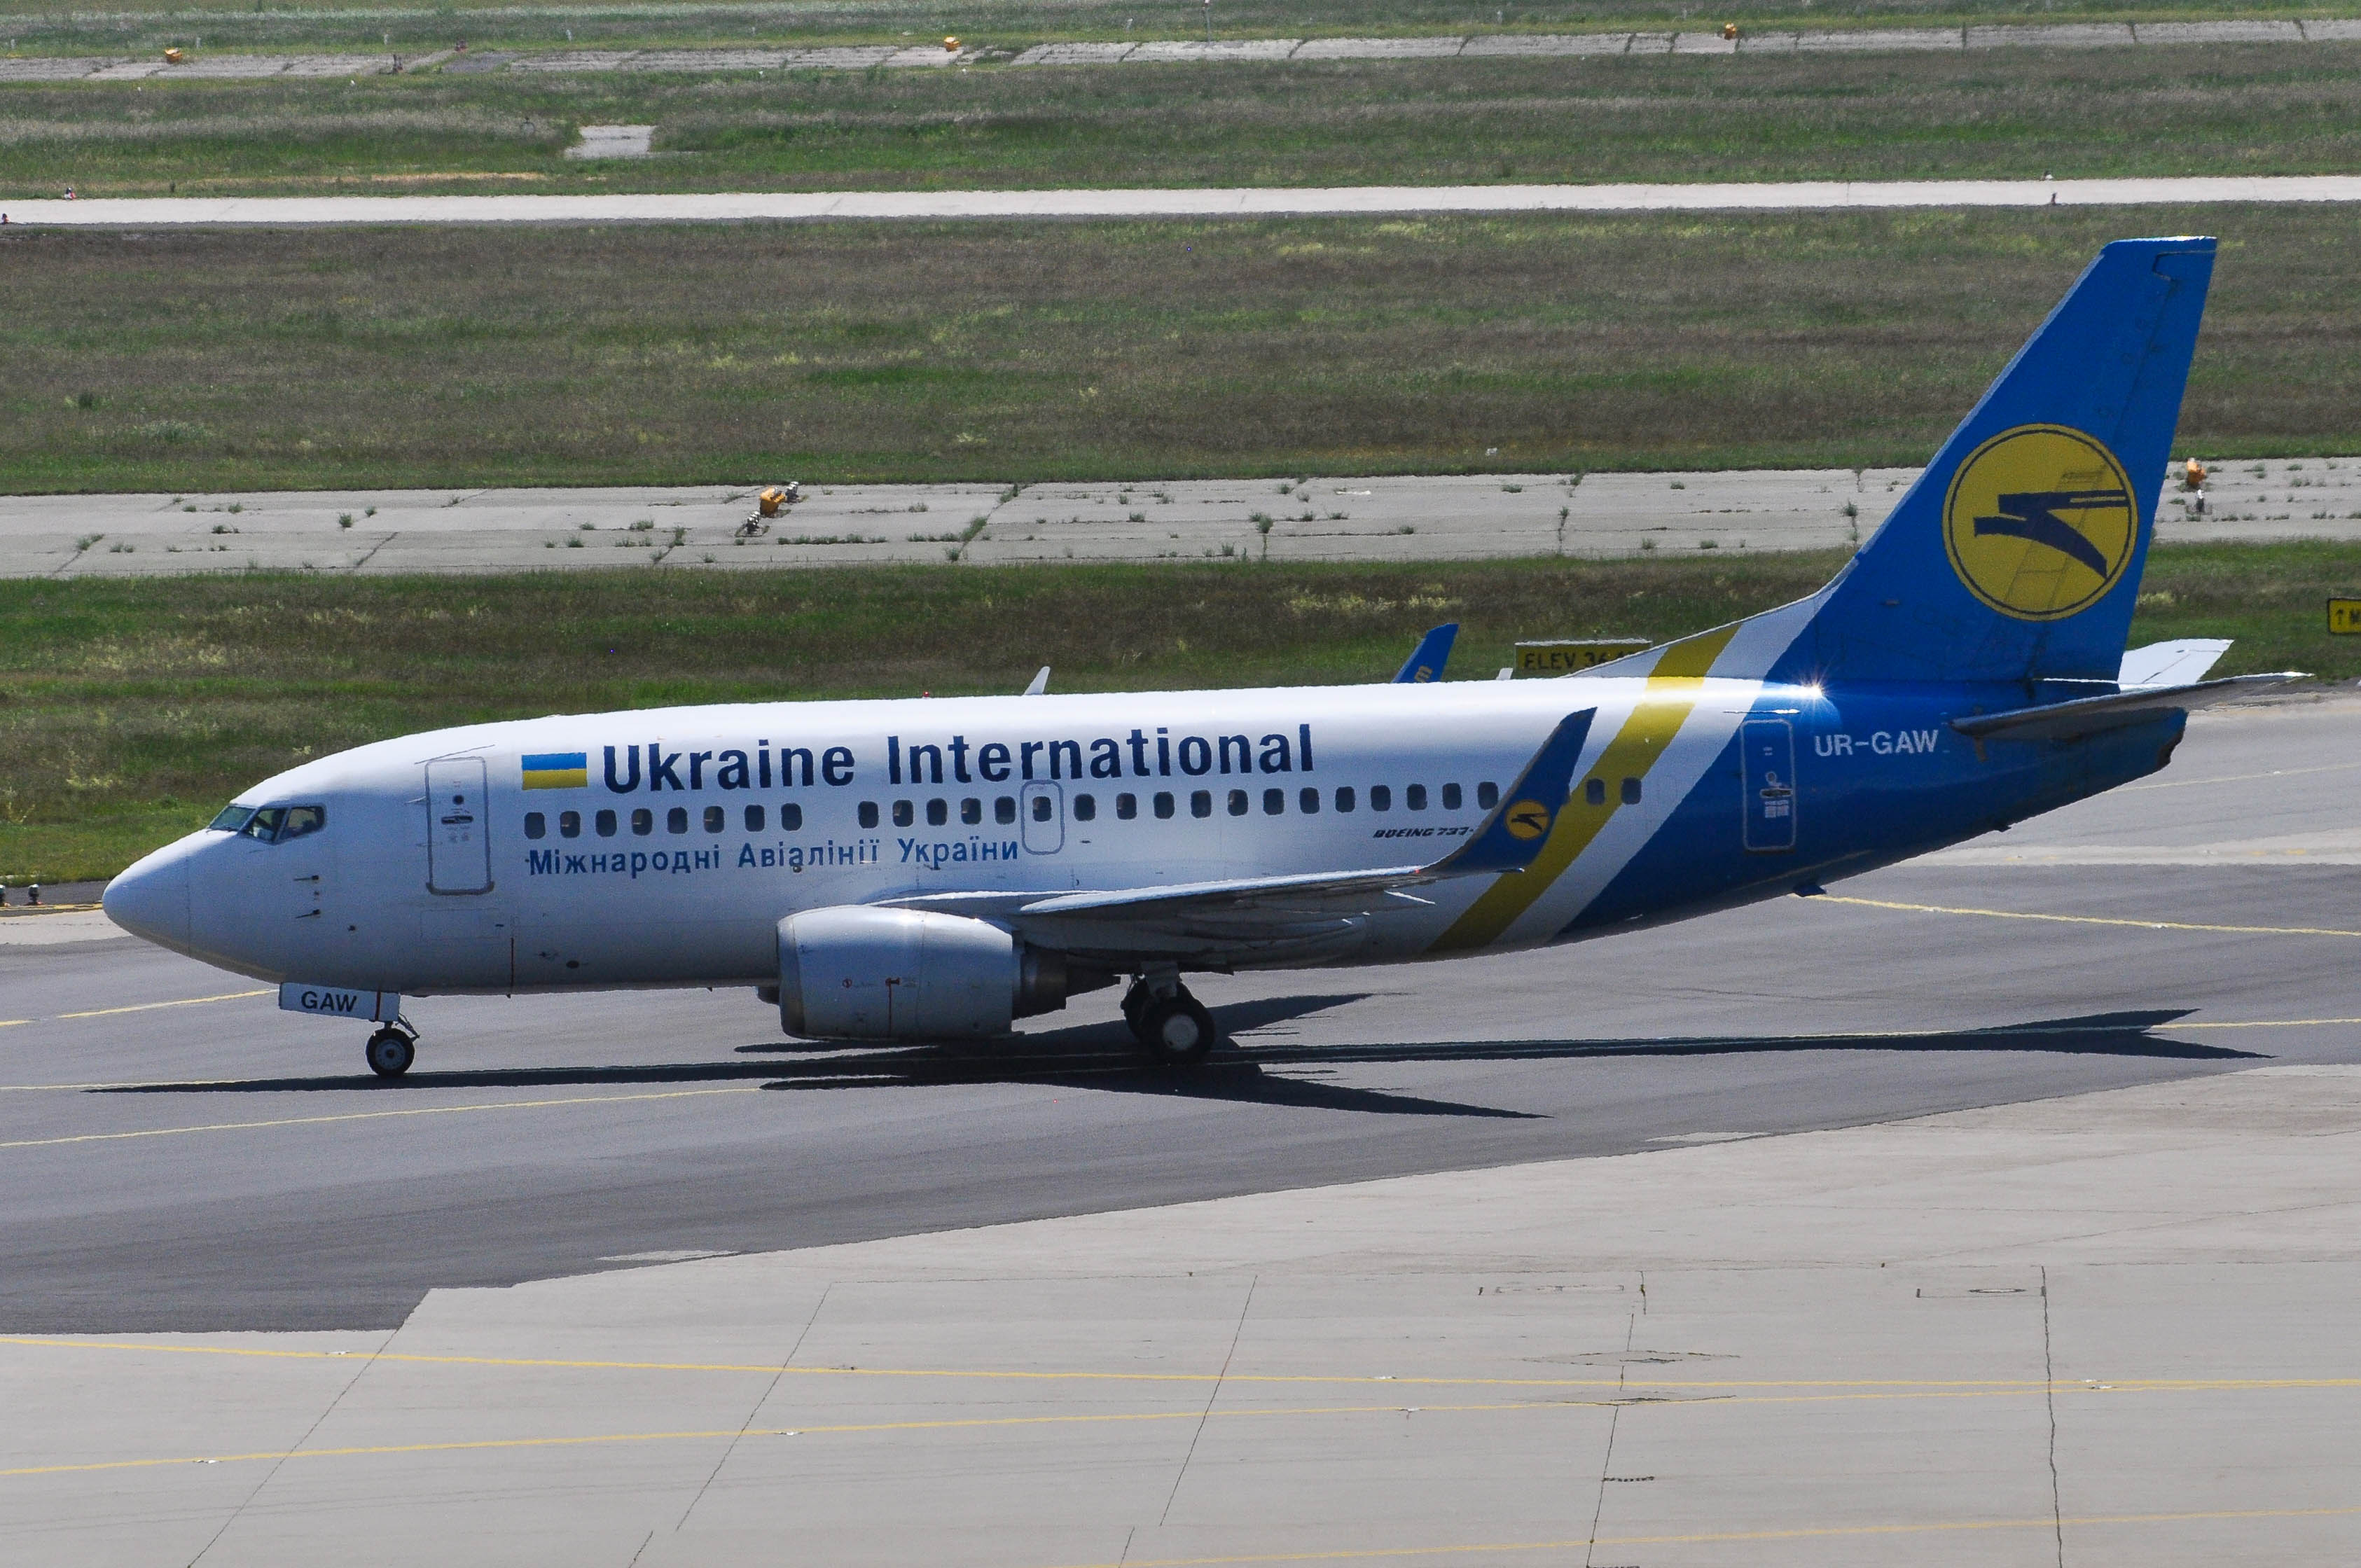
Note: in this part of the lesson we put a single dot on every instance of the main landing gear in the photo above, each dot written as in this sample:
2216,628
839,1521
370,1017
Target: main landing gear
1171,1026
391,1050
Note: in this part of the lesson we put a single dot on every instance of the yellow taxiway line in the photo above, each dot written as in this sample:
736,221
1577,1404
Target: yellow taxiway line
2088,919
376,1116
152,1006
1908,1385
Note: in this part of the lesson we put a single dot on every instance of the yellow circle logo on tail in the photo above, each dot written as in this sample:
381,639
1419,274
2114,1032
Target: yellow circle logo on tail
2040,523
1527,819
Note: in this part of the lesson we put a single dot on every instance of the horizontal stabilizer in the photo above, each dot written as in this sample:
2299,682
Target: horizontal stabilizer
2180,664
2094,715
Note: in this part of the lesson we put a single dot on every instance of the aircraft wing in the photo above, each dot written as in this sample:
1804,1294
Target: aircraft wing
2091,714
1244,917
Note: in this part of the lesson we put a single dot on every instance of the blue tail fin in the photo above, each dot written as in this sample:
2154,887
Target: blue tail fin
2016,556
1426,661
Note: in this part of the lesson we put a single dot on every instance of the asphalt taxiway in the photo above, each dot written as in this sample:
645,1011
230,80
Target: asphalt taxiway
184,1157
1997,1209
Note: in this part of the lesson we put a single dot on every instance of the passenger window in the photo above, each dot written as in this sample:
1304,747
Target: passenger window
1415,797
1163,804
1345,797
1594,792
868,814
536,826
1451,797
677,819
1308,802
1041,808
644,822
753,819
791,818
231,819
1237,803
264,824
1200,803
1274,801
970,811
938,813
716,819
605,823
903,814
1126,806
302,820
1086,807
1004,809
569,825
1488,796
1631,792
1380,798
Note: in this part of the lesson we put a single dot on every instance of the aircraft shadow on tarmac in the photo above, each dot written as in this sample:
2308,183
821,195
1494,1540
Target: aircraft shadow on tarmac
1101,1056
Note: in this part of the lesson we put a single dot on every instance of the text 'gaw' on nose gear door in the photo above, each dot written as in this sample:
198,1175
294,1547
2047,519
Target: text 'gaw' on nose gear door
1043,808
1767,747
459,835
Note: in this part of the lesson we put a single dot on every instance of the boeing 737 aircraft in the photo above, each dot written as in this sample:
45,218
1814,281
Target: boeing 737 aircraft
936,868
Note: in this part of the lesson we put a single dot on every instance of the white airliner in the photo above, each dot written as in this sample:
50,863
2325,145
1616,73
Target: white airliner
936,868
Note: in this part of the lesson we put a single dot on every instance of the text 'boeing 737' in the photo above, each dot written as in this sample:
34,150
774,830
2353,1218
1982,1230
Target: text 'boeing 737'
936,869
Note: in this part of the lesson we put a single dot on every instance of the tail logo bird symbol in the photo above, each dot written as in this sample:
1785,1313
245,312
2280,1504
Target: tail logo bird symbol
2040,523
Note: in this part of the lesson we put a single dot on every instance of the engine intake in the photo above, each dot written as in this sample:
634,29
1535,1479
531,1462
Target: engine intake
858,974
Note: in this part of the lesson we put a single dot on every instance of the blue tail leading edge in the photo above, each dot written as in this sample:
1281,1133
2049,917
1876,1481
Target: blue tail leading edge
2016,556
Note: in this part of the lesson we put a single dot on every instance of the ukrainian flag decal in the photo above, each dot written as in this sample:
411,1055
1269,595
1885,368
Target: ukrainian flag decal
558,770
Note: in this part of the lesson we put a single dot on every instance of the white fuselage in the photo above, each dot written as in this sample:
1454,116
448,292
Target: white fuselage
688,834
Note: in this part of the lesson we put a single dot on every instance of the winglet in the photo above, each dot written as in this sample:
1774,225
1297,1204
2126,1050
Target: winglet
1426,661
1040,684
1520,825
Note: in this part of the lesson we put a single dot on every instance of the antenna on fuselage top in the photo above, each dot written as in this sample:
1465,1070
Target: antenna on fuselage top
1040,683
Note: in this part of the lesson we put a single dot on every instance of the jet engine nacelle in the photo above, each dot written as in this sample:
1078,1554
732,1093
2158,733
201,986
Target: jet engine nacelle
858,974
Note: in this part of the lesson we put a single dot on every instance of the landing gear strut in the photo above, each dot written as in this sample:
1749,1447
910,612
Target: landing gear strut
1170,1025
391,1050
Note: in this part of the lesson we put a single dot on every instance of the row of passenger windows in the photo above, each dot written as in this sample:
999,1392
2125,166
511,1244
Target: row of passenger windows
938,811
715,819
1238,802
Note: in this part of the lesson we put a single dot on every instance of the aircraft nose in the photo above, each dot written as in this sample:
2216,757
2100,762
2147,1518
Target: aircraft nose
152,899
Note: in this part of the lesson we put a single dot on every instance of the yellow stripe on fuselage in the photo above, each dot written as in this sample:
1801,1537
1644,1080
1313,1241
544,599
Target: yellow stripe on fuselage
1673,690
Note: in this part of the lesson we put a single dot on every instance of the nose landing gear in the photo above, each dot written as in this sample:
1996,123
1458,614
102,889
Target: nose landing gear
1171,1026
391,1050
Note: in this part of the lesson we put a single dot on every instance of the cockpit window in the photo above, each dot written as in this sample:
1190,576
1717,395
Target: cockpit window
273,824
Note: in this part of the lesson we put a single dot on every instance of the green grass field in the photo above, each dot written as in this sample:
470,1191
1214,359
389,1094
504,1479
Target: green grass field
132,710
193,359
135,25
2252,109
